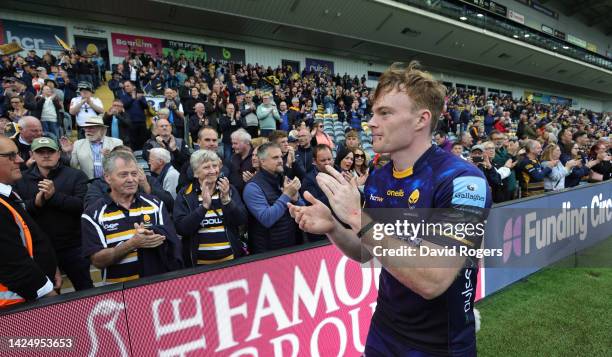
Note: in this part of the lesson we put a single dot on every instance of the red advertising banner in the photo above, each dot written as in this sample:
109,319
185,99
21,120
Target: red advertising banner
315,302
122,42
311,303
93,326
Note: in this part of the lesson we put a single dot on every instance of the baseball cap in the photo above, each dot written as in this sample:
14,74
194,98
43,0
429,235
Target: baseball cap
44,142
477,147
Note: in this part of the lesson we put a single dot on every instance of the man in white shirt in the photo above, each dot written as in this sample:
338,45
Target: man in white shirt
85,105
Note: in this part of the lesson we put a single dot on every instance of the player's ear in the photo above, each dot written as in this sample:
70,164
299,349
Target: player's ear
424,120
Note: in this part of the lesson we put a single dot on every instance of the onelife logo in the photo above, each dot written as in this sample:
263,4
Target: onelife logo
512,238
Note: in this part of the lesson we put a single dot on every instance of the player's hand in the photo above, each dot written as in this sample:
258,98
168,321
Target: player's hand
343,196
315,219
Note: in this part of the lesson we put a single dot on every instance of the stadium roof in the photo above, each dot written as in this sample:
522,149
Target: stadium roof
594,13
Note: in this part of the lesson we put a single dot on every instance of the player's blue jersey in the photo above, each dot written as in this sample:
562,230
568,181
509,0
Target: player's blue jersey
444,325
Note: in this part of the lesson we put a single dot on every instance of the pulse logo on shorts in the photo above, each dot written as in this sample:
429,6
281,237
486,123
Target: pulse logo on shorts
512,238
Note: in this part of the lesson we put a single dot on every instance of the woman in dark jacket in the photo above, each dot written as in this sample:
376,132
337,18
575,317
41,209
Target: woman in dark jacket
207,214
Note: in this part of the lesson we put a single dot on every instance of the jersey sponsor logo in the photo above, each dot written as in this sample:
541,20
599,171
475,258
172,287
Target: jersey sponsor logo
211,221
468,292
469,191
376,198
111,226
414,196
395,193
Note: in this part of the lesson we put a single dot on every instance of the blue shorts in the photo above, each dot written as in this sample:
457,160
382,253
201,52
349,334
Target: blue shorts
381,344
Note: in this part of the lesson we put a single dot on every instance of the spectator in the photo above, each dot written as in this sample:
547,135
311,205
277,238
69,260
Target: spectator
98,188
49,109
475,130
116,85
295,113
480,157
165,140
555,180
489,121
283,113
443,142
241,159
86,154
266,197
351,142
199,119
228,124
581,169
281,139
457,150
602,167
119,122
20,89
215,107
268,115
176,114
355,116
509,184
128,234
320,137
135,105
303,155
161,168
208,213
345,162
248,112
531,172
30,129
17,110
54,193
361,166
322,157
194,98
85,105
28,268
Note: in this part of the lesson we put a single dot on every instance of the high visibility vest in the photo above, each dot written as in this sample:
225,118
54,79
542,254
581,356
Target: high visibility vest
7,297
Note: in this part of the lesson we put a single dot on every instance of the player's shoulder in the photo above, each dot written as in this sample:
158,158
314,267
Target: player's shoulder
447,167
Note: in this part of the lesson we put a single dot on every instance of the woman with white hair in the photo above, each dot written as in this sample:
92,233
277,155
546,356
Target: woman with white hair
208,212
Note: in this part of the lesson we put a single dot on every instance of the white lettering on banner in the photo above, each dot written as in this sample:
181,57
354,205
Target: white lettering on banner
310,300
342,291
601,210
314,340
111,308
278,345
268,304
224,312
27,43
182,350
177,324
247,351
355,329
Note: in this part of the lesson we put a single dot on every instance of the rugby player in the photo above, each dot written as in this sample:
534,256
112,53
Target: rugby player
425,305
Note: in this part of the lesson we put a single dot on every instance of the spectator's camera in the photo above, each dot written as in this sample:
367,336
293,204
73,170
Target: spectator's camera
478,159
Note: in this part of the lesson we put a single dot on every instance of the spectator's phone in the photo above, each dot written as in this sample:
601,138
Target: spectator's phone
477,160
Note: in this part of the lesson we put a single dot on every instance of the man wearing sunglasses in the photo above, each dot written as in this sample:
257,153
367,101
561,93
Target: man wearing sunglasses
28,268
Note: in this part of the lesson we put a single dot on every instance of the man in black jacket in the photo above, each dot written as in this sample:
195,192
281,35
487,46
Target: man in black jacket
118,121
166,140
303,156
28,267
54,193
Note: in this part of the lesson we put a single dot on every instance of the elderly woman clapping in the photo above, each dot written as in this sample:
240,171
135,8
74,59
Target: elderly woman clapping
208,212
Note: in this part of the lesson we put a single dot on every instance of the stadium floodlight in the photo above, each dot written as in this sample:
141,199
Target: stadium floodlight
479,15
515,36
565,47
526,35
462,18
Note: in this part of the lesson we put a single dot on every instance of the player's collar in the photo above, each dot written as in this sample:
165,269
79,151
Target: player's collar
409,171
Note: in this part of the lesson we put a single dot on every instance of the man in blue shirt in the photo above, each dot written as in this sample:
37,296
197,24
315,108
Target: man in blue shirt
266,197
425,303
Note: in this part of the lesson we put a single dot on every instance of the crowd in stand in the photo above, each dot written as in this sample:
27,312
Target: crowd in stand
227,148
